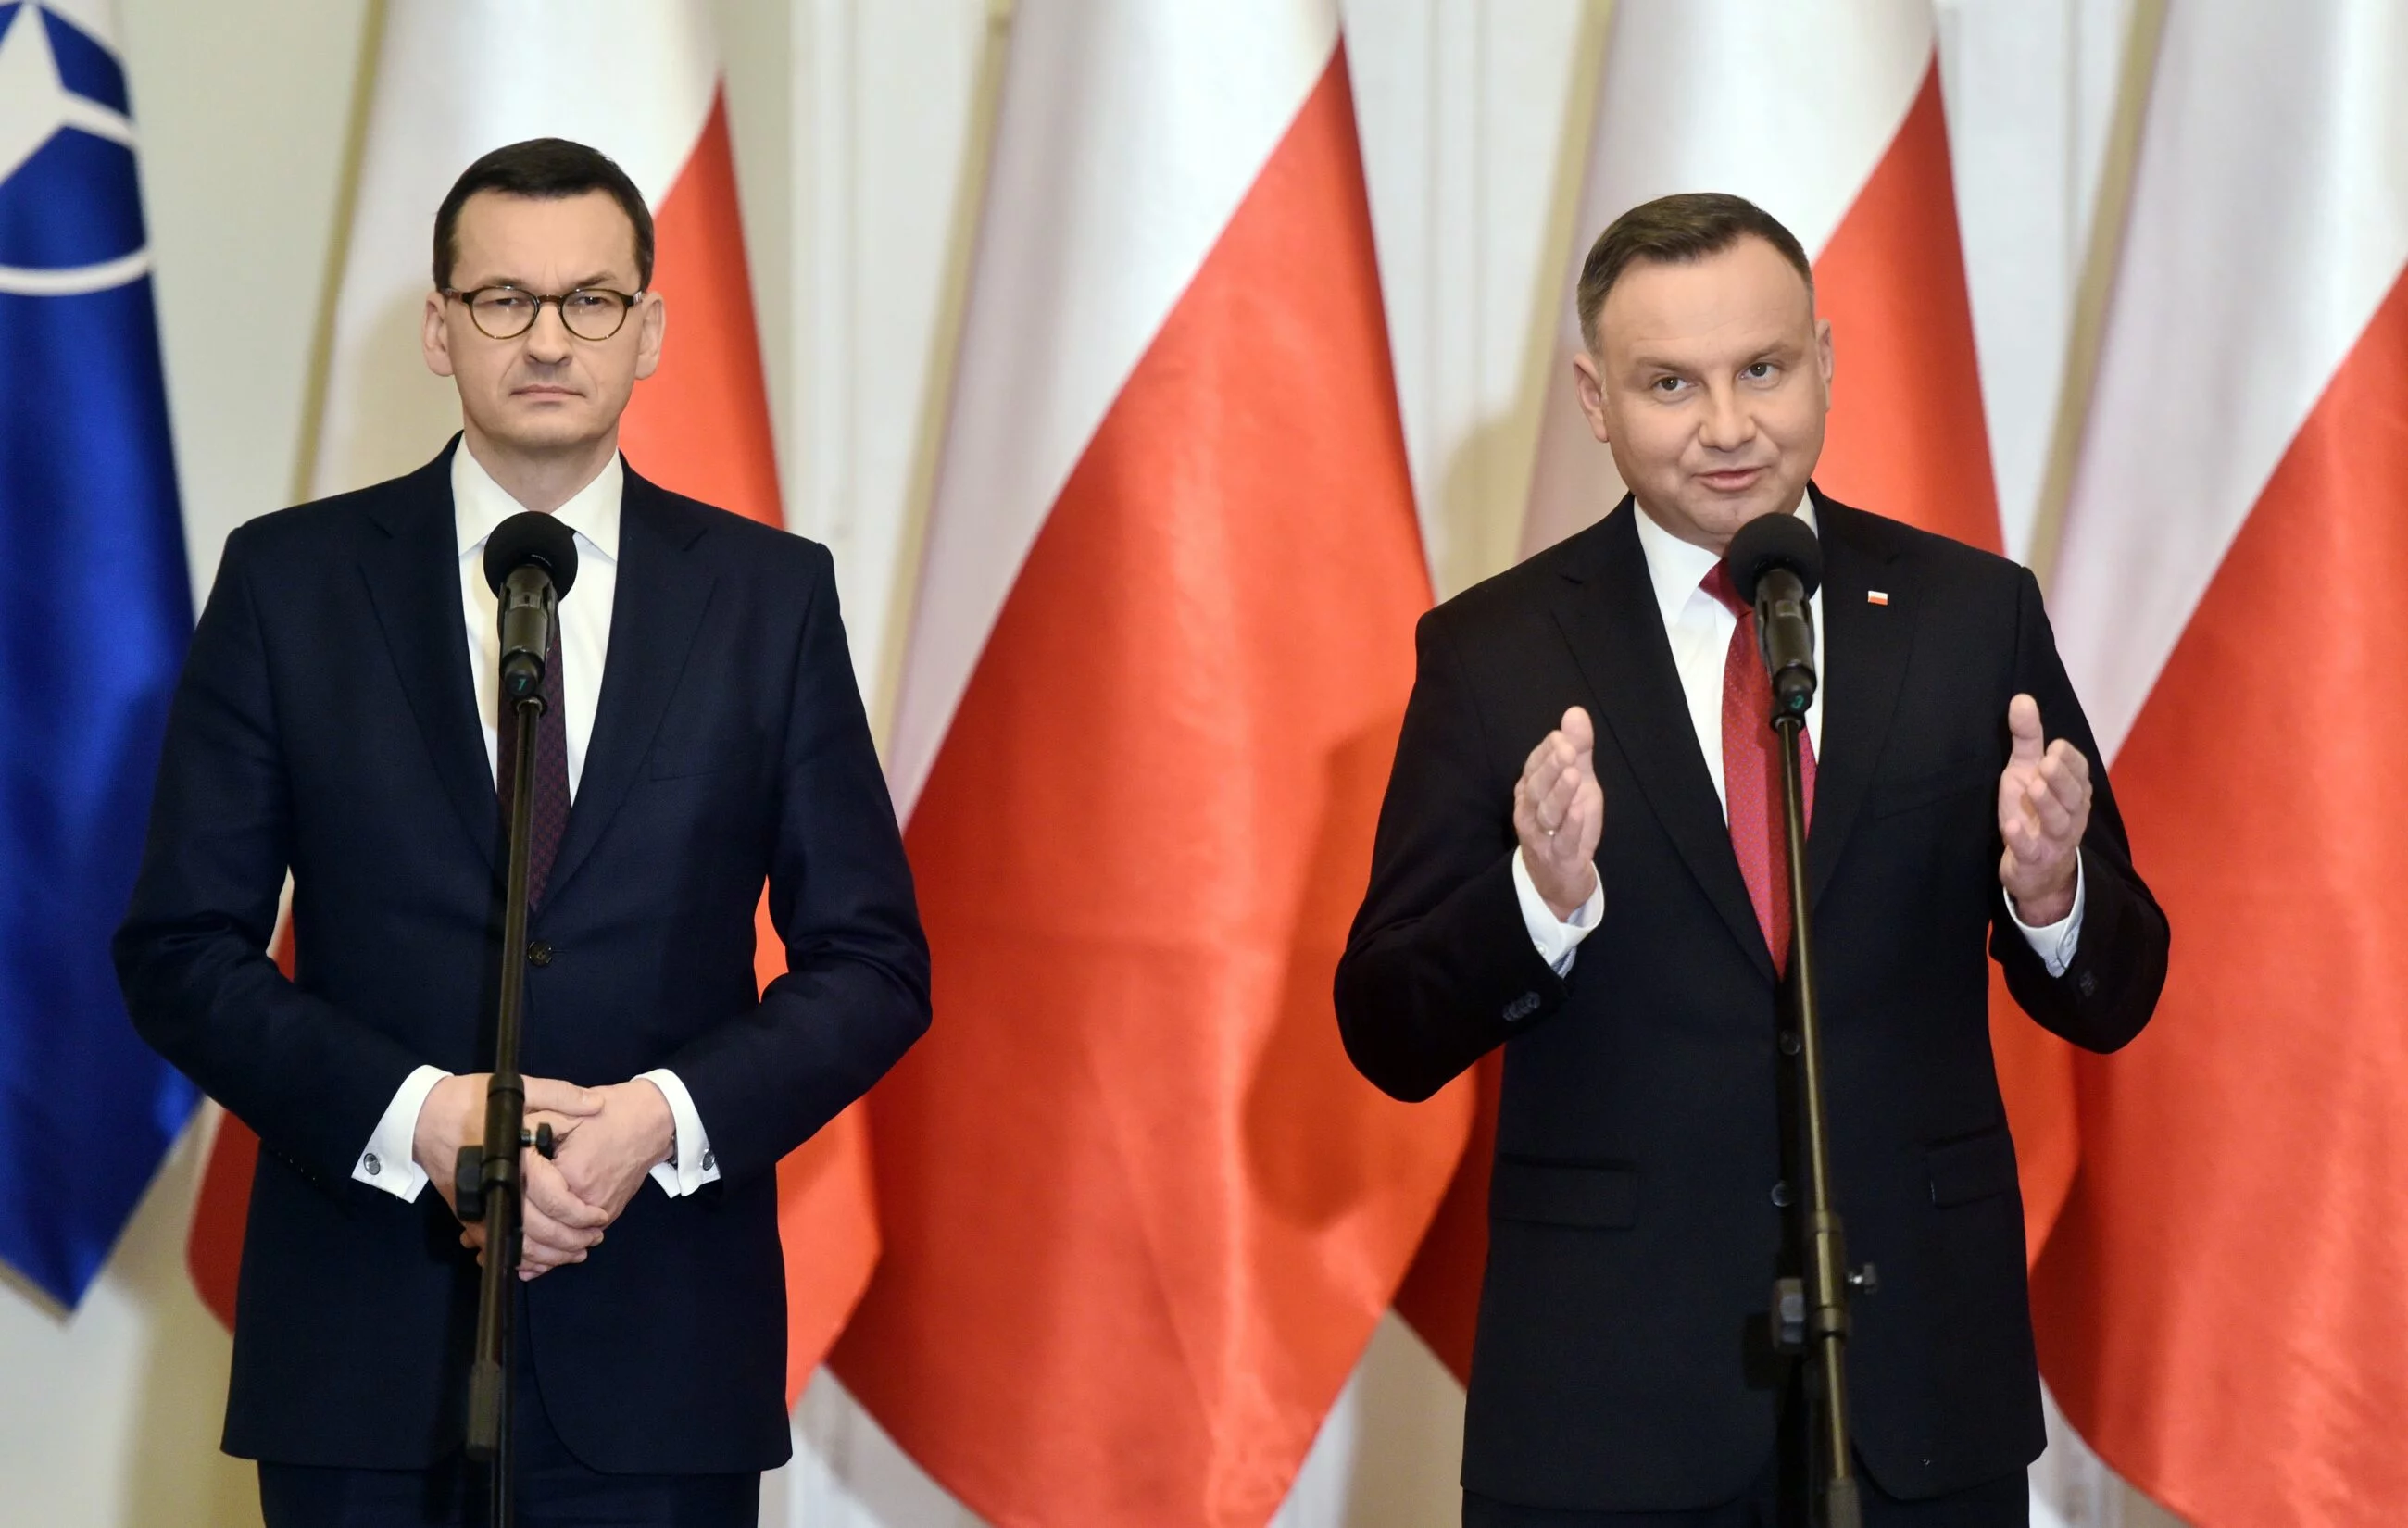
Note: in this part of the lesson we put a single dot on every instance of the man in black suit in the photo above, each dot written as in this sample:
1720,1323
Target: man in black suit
338,718
1608,907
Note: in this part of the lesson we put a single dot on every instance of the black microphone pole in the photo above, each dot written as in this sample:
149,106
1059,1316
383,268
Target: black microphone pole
530,560
1775,563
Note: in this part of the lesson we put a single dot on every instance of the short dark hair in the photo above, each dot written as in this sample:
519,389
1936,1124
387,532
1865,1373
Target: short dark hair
1673,231
546,169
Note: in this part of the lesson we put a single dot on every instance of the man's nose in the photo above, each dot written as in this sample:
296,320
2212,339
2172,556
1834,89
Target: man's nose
548,338
1728,425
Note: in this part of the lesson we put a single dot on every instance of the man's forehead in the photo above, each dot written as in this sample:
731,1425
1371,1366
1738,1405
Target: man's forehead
1712,306
588,230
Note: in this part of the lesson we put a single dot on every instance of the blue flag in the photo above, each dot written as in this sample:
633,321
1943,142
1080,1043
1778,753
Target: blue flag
95,613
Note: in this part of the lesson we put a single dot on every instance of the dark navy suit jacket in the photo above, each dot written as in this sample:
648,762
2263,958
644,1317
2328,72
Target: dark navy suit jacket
325,723
1622,1360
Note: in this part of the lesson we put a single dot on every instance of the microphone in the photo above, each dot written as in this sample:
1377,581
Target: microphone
530,562
1775,563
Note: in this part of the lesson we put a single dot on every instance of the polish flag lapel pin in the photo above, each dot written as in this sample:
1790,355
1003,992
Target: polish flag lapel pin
1876,596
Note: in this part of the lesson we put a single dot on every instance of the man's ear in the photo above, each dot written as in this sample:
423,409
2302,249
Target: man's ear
435,334
1823,352
649,338
1591,390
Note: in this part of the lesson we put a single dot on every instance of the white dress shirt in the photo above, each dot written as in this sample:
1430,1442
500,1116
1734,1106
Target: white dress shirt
479,504
1700,627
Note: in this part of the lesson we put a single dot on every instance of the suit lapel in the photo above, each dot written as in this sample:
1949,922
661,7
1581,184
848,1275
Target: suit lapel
1866,647
1607,612
663,591
413,581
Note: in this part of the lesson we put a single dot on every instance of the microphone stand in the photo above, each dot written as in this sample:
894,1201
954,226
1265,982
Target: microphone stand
487,1185
1812,1315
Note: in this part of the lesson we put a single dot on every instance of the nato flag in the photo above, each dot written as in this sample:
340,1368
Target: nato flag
95,612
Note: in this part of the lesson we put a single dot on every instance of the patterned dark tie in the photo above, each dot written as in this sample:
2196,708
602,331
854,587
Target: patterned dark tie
550,816
1751,785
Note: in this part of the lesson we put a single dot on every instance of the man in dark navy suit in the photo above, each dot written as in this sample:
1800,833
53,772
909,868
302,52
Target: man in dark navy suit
338,718
1611,908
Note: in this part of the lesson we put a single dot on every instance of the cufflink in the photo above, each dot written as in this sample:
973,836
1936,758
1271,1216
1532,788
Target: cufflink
371,1163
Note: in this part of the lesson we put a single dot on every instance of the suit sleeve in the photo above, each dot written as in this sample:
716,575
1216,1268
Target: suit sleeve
192,955
855,994
1440,968
2111,988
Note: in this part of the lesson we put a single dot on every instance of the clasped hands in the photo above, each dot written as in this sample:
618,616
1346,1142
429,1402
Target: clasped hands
2043,810
607,1140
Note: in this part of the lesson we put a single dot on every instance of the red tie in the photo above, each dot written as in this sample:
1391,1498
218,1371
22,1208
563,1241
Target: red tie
551,815
1752,773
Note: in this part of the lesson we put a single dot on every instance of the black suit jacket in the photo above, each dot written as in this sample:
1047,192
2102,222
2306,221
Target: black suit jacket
325,723
1621,1361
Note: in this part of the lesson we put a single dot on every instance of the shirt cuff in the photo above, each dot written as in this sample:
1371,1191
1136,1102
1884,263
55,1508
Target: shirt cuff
2055,945
691,1166
1558,938
391,1161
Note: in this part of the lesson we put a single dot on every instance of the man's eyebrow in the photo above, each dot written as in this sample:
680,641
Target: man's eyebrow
512,282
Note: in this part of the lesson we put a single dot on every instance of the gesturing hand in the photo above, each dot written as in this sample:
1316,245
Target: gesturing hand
2043,808
1559,812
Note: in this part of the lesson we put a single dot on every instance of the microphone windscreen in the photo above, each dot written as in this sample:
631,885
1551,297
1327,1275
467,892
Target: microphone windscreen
531,537
1770,541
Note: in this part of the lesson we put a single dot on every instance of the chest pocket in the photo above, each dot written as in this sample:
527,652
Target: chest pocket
675,759
1966,776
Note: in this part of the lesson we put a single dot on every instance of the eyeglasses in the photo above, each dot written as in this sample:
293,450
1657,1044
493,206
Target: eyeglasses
506,312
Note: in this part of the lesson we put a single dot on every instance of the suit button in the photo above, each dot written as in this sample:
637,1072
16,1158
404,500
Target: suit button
538,954
1781,1194
2086,984
1790,1044
1521,1008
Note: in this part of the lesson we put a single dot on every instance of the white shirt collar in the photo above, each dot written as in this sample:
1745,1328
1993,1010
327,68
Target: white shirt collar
1677,568
479,503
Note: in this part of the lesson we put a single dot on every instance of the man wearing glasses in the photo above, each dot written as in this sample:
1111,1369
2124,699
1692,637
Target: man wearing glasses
341,717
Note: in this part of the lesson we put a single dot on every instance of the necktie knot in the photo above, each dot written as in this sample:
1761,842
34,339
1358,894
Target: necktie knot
1718,583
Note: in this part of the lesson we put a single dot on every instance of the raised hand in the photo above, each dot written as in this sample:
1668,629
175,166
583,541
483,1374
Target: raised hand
1559,812
2044,810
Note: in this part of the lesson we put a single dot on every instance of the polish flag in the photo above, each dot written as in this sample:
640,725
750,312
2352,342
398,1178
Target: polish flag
2221,1302
1141,1215
1825,113
640,81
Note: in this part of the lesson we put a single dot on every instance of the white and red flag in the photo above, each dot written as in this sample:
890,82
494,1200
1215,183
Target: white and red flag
638,79
2219,1309
1825,113
1141,1215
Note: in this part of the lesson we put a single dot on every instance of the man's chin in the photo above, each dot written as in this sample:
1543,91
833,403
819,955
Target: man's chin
1721,516
544,428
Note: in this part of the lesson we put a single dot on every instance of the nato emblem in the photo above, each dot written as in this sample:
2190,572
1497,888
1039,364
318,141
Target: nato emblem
70,205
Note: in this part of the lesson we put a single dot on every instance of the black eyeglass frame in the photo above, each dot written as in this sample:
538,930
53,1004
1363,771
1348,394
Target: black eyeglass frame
627,301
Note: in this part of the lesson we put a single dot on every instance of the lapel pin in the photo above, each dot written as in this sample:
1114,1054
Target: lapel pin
1876,596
